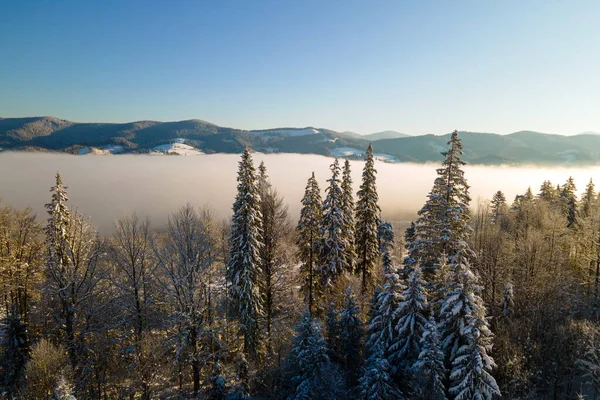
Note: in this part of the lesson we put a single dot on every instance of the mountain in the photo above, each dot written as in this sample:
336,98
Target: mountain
201,137
384,135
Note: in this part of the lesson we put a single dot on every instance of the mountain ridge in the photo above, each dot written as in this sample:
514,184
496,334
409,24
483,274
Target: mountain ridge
523,147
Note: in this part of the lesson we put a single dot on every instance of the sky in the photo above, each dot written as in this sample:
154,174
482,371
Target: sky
365,66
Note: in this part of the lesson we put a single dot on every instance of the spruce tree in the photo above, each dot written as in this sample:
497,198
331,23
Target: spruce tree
333,245
376,382
367,223
412,320
569,201
351,338
588,199
466,337
547,192
384,317
385,237
308,240
443,223
499,207
308,362
348,214
218,390
244,267
429,371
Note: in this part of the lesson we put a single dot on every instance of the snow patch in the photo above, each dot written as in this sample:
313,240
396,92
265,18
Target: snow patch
286,132
568,155
113,149
437,147
85,150
176,148
385,157
346,152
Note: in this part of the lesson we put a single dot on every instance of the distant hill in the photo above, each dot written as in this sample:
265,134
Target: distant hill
384,135
198,137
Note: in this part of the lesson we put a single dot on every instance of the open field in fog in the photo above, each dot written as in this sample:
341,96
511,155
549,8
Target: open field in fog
106,187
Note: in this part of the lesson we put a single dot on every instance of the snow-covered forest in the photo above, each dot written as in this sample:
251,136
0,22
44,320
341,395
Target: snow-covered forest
472,301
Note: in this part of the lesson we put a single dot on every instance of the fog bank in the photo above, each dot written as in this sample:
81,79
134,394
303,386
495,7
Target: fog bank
107,187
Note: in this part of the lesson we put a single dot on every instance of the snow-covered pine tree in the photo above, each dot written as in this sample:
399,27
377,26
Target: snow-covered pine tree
218,390
466,337
383,316
412,321
308,361
569,201
385,238
332,333
367,223
348,213
588,200
333,245
244,267
376,382
508,300
499,207
443,223
547,192
351,338
308,241
429,371
275,227
409,261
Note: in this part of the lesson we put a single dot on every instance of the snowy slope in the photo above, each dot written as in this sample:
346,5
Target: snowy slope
176,148
287,132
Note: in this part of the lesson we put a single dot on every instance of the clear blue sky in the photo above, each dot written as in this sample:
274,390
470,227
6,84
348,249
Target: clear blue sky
366,66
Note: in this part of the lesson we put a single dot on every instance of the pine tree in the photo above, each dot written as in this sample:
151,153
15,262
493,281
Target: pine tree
412,320
376,382
508,301
332,333
308,241
308,362
384,317
442,226
588,199
218,390
467,337
547,192
15,348
244,267
569,201
499,207
429,370
351,338
367,223
333,241
348,213
385,237
275,227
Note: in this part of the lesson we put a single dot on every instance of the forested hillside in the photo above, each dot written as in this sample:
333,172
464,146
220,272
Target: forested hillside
201,137
473,301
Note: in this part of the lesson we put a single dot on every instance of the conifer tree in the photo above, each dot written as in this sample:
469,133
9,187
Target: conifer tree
367,223
385,237
569,201
308,362
275,227
218,390
499,207
376,382
466,337
384,317
351,338
588,199
333,241
547,192
412,320
348,213
244,267
308,241
442,226
429,370
332,333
